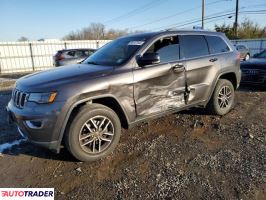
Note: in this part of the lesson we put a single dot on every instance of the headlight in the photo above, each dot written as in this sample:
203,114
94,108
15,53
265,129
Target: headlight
42,97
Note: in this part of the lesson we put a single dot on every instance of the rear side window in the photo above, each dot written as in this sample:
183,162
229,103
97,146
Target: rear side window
239,47
88,52
217,44
71,53
78,54
193,46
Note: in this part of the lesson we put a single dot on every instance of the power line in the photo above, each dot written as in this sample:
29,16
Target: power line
188,10
253,11
220,16
207,18
228,14
196,19
191,20
135,11
174,15
244,12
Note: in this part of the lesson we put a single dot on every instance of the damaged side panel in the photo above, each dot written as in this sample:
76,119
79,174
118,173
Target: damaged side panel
118,85
158,88
201,75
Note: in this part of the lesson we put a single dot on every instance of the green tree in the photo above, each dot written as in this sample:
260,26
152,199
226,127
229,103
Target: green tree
23,39
246,30
249,29
95,31
227,29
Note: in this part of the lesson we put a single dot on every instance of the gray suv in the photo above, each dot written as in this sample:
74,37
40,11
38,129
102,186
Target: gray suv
128,81
244,52
71,56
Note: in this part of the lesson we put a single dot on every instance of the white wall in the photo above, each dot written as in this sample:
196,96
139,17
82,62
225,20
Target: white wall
17,57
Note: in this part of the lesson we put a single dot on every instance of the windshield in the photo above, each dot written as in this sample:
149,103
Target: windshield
117,52
261,55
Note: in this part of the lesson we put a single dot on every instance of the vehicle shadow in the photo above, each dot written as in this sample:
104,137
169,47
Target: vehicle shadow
28,149
15,75
195,111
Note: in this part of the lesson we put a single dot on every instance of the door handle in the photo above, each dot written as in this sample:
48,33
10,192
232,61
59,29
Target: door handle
213,59
179,67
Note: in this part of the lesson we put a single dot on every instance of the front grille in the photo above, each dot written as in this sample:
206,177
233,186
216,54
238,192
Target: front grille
253,75
19,98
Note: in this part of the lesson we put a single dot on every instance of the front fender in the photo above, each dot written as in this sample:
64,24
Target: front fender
75,102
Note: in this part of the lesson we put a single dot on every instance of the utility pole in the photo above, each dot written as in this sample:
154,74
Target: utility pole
203,14
236,18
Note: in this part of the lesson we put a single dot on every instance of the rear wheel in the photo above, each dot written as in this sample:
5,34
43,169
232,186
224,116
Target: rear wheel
94,133
223,98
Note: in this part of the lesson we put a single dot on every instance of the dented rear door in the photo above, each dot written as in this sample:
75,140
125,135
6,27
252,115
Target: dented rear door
201,67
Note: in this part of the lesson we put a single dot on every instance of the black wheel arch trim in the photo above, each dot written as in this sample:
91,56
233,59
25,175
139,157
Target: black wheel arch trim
217,79
74,105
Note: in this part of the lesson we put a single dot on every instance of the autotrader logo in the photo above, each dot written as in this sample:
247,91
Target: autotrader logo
27,193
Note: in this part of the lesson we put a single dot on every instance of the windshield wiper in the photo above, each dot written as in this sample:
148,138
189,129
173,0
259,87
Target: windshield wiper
93,63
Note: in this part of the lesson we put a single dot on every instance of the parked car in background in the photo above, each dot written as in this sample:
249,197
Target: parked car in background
254,70
71,56
130,80
244,52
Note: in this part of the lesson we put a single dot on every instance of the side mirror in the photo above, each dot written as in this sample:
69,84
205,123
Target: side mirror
255,55
148,59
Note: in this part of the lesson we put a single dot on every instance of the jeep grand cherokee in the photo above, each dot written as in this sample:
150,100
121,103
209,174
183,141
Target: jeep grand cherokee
129,80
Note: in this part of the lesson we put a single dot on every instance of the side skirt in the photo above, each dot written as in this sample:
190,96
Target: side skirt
164,113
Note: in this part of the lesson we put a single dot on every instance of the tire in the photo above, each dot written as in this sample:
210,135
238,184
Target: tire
247,57
223,98
93,133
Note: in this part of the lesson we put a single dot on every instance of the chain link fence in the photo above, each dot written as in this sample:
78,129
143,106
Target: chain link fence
22,57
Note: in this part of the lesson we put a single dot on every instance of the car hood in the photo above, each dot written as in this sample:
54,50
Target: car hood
63,75
254,63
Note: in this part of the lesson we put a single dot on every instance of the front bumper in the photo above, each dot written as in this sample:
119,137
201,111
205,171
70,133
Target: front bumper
53,145
39,124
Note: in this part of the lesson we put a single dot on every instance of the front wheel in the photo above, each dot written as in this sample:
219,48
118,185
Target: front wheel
223,98
94,133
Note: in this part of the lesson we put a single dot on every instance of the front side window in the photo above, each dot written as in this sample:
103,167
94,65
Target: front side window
217,44
193,46
118,51
167,48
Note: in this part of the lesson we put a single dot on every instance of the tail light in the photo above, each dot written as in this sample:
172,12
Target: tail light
238,56
59,56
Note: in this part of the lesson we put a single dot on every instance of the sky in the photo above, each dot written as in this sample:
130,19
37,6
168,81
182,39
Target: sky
53,19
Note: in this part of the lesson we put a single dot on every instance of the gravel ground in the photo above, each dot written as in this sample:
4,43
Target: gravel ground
188,155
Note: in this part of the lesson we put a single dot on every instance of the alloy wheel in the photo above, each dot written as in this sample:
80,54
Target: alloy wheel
96,134
225,97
